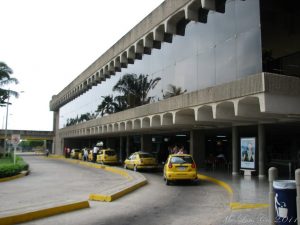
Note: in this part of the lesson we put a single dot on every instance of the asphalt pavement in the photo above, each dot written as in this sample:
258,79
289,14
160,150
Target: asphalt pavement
53,181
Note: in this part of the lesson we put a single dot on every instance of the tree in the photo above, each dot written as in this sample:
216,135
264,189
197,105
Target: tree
173,91
5,79
107,106
135,88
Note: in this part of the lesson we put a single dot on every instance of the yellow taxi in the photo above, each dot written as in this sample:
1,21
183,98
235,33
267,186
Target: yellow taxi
140,160
107,156
180,167
75,153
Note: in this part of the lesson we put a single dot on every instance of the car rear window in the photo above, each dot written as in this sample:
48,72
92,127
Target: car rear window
146,155
111,153
181,159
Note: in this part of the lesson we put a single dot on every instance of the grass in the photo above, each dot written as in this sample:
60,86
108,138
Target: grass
8,168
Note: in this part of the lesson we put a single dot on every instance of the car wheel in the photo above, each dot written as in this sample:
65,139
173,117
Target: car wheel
135,168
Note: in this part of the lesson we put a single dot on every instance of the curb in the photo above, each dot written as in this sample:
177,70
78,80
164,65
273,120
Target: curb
135,180
22,174
38,214
227,187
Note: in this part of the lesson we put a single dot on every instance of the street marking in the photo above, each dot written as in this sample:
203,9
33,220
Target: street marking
38,214
227,187
238,205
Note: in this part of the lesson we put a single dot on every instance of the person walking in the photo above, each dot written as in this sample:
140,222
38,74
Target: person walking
85,154
96,150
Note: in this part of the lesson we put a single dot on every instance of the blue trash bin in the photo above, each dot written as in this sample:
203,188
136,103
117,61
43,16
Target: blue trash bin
285,202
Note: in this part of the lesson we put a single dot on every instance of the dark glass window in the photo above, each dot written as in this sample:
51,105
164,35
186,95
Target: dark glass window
280,30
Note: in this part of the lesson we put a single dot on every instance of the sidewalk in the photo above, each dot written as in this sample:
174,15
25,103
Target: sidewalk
249,192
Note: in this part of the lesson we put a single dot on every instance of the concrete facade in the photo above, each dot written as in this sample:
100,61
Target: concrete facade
258,99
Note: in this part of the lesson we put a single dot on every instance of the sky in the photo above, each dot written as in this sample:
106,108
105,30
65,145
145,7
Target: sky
48,43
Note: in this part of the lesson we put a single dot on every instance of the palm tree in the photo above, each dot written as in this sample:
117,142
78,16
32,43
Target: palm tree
5,79
173,91
135,88
107,106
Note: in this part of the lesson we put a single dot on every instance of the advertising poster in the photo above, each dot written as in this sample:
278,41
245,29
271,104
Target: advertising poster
248,150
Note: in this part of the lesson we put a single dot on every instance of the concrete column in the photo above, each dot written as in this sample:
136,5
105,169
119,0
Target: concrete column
146,143
297,177
273,174
235,157
121,150
261,151
58,142
127,146
197,147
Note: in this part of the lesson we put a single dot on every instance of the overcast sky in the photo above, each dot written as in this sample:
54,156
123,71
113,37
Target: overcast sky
48,43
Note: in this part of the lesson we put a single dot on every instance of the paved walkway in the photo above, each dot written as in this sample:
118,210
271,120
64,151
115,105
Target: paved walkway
245,190
53,182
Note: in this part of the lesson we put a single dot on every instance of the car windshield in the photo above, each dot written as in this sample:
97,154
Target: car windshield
110,153
181,159
145,155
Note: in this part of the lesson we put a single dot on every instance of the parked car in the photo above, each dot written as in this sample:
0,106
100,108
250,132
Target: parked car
140,160
74,153
108,156
180,167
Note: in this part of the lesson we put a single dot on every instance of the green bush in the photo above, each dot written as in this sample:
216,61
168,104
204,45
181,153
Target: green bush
8,168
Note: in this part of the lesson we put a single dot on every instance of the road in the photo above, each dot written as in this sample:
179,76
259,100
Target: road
155,203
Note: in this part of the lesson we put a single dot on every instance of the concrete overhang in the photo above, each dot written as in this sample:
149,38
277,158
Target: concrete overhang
256,99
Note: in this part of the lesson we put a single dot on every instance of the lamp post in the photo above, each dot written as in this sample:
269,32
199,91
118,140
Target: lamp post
6,120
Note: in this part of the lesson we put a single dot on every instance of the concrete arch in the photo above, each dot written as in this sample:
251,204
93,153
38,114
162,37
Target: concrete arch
224,110
249,106
122,126
104,129
109,128
176,24
137,124
185,116
204,113
106,71
139,49
158,33
167,119
117,63
148,43
124,61
131,54
146,122
155,121
116,127
191,10
102,76
111,68
128,125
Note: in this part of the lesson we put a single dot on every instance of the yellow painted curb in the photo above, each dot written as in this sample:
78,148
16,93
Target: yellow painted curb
218,182
12,177
25,217
110,198
238,205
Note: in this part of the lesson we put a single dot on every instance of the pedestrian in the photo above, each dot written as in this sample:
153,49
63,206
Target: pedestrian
85,154
96,150
47,152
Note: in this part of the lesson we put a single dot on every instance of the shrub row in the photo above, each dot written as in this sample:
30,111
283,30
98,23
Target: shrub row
11,169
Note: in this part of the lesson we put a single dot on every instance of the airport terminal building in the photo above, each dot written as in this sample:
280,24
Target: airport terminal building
225,75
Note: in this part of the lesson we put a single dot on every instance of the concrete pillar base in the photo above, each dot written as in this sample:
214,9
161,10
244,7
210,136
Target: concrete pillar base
235,173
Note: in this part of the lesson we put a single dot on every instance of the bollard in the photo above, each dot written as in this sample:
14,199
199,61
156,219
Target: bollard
297,178
273,174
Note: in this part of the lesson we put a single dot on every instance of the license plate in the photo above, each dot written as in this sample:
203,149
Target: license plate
181,168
